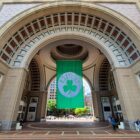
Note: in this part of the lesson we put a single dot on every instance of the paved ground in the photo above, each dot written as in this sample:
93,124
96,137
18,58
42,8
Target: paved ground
69,131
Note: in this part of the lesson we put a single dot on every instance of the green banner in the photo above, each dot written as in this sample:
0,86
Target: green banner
69,84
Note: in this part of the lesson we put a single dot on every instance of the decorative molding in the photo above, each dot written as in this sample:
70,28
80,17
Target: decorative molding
110,36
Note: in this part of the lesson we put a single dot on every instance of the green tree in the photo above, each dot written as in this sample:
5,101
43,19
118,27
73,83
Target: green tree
51,107
81,111
52,110
51,104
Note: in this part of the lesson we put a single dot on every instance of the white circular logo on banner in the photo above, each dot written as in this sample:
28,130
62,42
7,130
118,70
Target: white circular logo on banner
69,84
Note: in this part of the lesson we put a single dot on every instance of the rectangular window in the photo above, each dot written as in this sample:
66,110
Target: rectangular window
13,44
125,44
89,21
76,18
96,23
24,34
115,33
32,109
62,18
29,29
109,29
130,50
55,19
49,21
42,23
106,108
103,24
5,57
134,56
9,50
83,19
18,38
69,18
36,26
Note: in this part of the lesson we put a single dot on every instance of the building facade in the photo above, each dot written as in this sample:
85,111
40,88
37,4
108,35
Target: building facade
104,34
52,90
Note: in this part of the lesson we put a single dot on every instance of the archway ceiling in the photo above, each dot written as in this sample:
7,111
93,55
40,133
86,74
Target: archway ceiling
121,46
88,53
69,51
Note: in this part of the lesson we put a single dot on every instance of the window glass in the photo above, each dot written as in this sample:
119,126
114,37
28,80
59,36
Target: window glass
106,108
32,109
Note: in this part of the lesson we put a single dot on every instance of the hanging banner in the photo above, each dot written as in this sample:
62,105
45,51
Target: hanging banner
69,84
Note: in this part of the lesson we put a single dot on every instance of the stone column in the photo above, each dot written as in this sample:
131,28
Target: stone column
42,105
45,107
129,95
97,105
44,102
10,97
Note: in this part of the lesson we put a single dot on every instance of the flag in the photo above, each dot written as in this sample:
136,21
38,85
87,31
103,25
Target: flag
69,93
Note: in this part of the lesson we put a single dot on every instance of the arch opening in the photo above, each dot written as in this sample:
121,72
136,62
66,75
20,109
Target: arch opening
76,114
44,59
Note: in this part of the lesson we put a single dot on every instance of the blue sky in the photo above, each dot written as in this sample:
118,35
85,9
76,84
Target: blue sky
86,87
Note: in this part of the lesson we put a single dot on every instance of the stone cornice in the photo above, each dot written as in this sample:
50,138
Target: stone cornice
48,1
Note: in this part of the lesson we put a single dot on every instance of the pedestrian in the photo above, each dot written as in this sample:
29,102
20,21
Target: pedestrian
21,122
137,125
117,121
113,123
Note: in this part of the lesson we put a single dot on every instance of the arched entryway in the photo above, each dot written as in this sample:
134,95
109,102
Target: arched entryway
54,113
99,34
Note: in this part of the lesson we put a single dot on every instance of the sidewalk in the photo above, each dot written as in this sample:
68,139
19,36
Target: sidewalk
58,130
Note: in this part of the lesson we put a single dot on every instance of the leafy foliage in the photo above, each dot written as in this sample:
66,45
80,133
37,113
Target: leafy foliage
51,104
52,110
81,111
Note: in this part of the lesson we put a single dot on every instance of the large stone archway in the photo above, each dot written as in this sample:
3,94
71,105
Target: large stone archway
36,29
